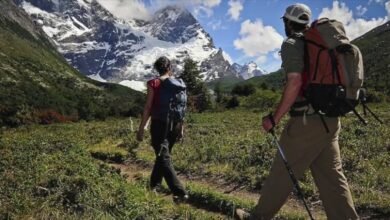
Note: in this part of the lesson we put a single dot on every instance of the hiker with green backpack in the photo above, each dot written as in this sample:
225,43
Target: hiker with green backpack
324,74
166,106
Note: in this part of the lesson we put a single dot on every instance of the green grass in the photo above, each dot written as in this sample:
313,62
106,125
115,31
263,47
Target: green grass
210,198
47,171
45,176
229,145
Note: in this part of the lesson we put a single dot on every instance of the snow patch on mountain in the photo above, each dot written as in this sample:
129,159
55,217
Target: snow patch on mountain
97,77
98,44
136,85
248,70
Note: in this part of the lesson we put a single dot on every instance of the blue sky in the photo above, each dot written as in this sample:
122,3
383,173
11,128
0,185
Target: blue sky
251,30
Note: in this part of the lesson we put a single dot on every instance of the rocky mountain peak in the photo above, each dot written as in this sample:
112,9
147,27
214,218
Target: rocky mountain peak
173,12
10,11
248,70
107,48
175,24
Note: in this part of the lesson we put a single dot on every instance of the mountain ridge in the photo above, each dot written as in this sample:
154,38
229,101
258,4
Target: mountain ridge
375,48
248,70
38,85
98,44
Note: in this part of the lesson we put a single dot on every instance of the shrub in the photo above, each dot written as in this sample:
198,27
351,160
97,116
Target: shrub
233,102
244,90
262,99
376,97
50,116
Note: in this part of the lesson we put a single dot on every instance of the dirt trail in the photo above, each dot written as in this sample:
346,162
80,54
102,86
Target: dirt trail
134,171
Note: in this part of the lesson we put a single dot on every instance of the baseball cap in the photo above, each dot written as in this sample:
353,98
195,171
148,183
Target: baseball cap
296,11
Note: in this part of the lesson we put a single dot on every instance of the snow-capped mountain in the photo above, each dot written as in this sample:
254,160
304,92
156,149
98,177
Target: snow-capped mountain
237,67
248,70
110,49
175,24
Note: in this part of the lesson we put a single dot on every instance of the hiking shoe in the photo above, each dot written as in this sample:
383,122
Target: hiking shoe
157,189
180,198
241,214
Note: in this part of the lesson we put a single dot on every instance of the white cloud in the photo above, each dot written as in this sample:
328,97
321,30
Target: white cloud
276,55
257,40
216,25
360,10
376,1
202,8
207,3
355,27
127,9
387,5
235,9
201,11
261,59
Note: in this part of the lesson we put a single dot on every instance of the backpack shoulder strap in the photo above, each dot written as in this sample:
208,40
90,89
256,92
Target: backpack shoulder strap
313,36
176,83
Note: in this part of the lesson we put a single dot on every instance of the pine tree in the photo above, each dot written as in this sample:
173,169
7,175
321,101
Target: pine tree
195,86
191,76
218,92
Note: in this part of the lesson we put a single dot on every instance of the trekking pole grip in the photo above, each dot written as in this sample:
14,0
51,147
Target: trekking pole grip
271,118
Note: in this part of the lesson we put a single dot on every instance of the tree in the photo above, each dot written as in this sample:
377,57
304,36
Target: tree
191,76
218,92
244,90
196,88
233,102
263,86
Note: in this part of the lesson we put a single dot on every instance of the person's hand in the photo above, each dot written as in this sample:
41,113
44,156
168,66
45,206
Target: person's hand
140,135
180,135
267,123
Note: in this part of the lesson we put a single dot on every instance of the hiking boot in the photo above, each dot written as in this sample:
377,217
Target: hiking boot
157,189
180,198
241,214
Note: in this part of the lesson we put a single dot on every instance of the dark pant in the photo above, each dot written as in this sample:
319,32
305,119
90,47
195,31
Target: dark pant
163,139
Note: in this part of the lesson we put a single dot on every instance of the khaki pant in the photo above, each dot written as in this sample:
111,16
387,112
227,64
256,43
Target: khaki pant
307,145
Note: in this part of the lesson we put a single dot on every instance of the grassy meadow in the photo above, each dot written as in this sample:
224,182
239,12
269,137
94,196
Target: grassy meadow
229,145
47,171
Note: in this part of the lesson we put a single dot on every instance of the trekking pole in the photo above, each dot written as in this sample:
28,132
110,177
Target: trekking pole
363,100
365,108
289,170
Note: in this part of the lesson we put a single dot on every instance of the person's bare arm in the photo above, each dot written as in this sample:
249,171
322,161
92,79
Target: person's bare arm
146,114
290,93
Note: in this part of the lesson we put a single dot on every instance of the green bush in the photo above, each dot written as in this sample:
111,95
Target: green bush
377,97
262,99
244,89
233,102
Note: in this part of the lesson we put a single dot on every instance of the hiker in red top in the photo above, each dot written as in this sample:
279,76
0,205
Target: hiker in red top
305,142
166,127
